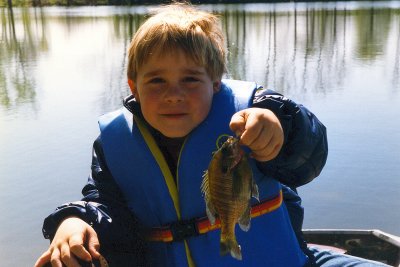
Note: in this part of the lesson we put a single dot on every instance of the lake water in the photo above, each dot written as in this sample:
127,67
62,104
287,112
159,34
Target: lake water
60,68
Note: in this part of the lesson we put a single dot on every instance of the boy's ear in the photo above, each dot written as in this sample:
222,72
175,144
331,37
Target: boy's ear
133,88
216,86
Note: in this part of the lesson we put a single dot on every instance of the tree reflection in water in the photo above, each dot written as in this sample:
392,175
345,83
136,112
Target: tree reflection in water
22,37
308,48
295,48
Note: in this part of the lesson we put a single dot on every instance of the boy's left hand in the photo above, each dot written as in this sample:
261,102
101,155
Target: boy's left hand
260,130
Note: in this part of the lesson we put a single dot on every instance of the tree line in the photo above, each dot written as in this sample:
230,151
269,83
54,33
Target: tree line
38,3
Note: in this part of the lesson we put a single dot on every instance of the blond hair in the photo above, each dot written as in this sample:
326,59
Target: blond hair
180,26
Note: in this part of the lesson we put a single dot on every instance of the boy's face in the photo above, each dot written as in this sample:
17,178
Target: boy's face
174,92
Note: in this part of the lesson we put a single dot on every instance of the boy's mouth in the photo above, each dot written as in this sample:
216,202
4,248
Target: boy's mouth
174,115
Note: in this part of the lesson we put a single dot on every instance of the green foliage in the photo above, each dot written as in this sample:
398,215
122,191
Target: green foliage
26,3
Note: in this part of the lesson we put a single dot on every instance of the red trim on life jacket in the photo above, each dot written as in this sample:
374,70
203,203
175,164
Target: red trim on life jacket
203,225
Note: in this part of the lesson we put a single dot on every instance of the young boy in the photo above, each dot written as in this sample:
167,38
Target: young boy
142,204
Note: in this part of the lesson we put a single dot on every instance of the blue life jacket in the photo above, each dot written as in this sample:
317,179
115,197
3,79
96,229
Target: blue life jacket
142,173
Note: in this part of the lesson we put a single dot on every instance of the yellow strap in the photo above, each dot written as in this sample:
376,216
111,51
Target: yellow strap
155,150
169,180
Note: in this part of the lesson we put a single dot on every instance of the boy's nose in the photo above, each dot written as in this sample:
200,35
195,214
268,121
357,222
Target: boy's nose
174,94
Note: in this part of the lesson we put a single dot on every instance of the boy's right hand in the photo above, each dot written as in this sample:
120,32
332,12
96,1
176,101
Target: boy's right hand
74,239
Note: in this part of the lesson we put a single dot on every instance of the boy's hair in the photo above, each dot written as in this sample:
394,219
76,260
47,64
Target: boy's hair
180,26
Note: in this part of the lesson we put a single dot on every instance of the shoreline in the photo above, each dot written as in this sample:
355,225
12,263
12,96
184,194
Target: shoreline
72,3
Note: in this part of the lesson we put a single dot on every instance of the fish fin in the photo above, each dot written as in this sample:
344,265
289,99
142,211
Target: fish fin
230,245
244,221
211,214
210,210
204,184
254,191
205,188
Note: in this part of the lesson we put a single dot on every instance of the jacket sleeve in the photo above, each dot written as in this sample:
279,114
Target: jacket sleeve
305,147
104,208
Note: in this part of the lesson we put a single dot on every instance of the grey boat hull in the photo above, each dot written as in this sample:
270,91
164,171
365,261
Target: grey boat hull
369,244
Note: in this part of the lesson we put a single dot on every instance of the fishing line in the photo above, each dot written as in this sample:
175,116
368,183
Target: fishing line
218,143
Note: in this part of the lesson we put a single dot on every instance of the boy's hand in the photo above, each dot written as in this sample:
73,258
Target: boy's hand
72,238
260,130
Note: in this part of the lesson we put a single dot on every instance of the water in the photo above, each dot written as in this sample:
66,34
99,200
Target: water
60,68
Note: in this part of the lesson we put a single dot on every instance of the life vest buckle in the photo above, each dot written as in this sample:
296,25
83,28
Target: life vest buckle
183,229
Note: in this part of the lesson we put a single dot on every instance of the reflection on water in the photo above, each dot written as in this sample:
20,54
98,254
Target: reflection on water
288,49
24,42
309,49
62,67
21,41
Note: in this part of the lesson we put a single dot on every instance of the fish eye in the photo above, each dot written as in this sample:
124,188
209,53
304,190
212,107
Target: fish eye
225,148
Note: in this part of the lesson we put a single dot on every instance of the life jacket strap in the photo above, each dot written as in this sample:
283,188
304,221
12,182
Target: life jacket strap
180,230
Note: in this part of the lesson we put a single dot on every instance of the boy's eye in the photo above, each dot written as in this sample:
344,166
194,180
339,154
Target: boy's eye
156,80
191,79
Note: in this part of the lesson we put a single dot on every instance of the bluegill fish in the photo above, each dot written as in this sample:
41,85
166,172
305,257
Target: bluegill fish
100,262
228,187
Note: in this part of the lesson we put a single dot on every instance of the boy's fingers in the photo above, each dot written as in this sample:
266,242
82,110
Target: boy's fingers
44,258
238,122
264,155
269,151
67,258
78,249
253,131
93,244
55,258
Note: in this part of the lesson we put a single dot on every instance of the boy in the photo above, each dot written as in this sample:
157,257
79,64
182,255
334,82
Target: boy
142,204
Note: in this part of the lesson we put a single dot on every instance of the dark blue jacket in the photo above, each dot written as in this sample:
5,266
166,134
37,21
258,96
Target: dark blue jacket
300,160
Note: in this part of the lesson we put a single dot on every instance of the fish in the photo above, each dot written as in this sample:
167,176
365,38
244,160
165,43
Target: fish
103,261
228,187
100,262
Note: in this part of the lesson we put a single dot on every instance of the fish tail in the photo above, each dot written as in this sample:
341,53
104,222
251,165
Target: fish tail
230,245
